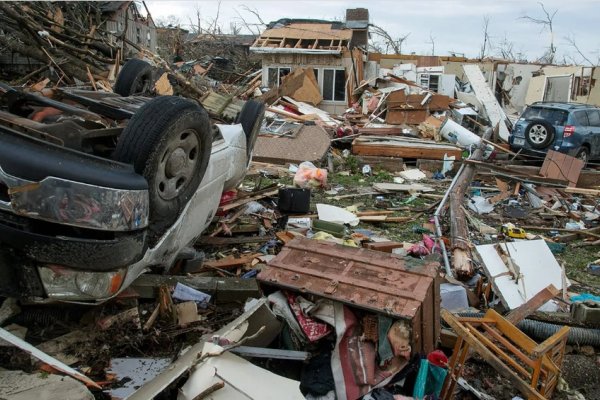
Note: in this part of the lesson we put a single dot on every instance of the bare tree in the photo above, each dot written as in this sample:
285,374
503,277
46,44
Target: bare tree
571,42
547,23
170,21
432,43
388,41
486,36
254,28
196,26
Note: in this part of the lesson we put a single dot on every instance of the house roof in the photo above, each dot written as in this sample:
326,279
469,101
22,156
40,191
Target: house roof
311,29
301,35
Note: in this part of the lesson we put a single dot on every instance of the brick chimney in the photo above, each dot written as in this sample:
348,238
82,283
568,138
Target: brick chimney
357,19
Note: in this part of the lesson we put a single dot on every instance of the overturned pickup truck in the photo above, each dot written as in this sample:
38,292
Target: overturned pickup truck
96,188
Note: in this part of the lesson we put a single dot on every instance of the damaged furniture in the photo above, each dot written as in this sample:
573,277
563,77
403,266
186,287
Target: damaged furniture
533,368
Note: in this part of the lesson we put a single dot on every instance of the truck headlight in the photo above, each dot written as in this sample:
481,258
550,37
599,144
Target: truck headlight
64,283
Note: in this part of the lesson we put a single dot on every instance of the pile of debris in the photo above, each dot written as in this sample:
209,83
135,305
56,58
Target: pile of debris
367,255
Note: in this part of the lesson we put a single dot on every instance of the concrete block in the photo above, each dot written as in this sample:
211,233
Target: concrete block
586,313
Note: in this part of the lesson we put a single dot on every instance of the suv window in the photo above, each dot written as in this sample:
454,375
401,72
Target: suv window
594,117
552,115
580,118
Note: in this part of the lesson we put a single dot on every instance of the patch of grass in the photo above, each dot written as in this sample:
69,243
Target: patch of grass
576,260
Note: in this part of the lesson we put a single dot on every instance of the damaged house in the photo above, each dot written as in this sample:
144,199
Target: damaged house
124,17
329,48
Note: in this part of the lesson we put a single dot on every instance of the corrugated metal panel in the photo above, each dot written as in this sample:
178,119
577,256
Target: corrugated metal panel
403,288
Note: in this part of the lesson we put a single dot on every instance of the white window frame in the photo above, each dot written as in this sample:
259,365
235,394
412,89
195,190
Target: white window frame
322,80
319,75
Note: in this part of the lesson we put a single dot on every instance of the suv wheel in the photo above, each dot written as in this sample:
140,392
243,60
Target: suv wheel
135,78
169,142
539,134
584,155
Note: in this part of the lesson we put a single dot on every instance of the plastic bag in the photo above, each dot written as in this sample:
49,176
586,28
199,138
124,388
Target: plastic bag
309,176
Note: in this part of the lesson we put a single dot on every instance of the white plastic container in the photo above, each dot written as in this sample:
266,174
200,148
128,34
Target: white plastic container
461,136
457,134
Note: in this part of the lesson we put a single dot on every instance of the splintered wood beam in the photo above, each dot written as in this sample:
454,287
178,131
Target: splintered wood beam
520,313
459,231
282,42
314,46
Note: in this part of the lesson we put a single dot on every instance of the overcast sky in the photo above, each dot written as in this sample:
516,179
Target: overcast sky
455,25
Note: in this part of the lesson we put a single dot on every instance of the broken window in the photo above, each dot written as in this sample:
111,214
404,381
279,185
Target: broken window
316,71
138,33
275,75
334,85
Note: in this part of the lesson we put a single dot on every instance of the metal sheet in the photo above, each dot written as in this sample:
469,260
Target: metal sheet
381,282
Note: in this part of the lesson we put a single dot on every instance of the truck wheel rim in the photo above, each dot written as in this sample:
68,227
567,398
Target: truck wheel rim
538,134
178,164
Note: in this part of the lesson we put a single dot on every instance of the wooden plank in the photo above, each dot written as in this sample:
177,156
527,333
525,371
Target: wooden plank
591,192
407,151
248,199
231,262
402,187
520,313
583,232
569,237
383,246
552,341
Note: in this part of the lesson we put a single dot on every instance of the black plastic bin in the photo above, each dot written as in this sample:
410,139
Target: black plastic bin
294,200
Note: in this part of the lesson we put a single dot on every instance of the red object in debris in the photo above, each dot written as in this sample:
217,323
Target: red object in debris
226,198
437,357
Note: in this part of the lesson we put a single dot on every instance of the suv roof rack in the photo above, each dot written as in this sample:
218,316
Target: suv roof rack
569,104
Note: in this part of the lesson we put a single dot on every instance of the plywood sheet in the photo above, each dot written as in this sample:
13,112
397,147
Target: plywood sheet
307,31
310,144
536,262
561,166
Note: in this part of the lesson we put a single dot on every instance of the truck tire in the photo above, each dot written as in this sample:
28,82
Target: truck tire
251,118
135,78
539,134
169,142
